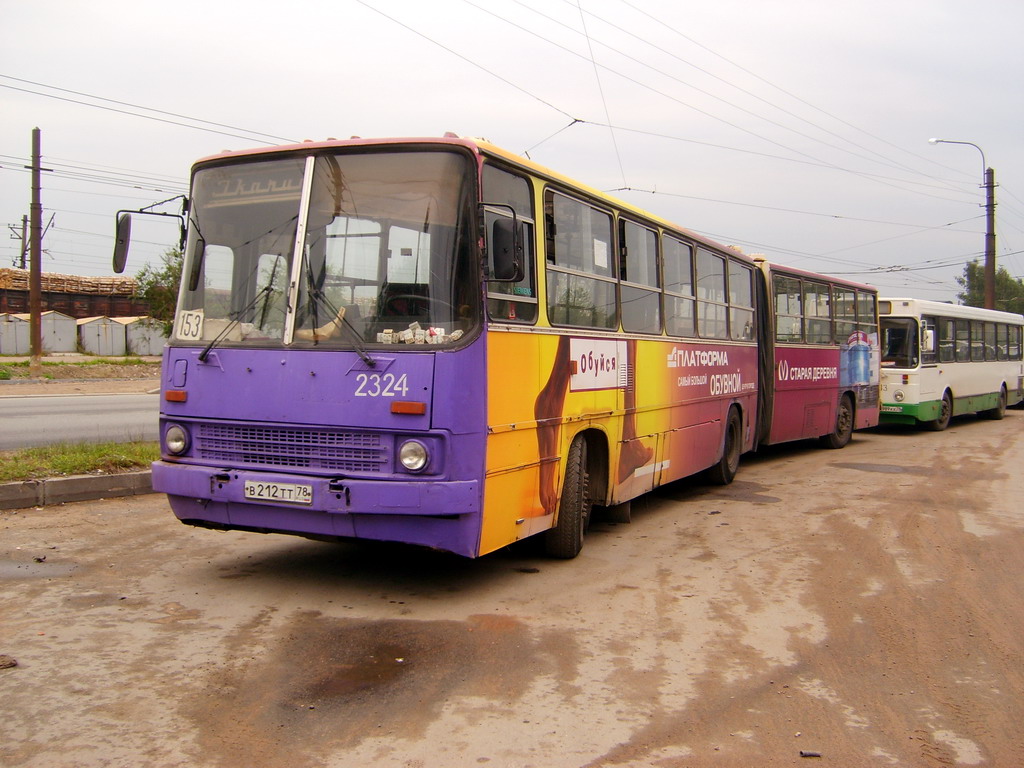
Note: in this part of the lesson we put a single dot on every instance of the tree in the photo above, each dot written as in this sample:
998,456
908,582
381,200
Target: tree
1009,290
159,286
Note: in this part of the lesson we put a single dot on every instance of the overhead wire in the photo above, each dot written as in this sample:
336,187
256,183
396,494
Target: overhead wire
693,107
465,59
92,175
780,89
600,88
215,125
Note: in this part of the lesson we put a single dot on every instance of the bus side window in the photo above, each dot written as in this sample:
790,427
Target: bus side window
817,313
946,340
640,300
788,312
741,302
679,301
1002,342
508,301
581,284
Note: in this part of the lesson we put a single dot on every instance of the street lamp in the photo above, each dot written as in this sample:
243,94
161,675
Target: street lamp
989,184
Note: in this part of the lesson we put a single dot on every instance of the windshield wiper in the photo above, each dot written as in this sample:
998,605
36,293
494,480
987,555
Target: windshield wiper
265,290
327,330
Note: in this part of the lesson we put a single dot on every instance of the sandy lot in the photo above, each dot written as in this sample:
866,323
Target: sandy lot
865,605
82,379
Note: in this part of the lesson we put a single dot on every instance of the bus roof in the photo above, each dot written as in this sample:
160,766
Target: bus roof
773,267
912,307
478,147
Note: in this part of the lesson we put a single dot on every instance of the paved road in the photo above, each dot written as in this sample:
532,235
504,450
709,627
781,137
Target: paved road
866,605
29,421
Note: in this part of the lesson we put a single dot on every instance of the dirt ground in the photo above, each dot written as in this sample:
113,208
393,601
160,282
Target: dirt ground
67,379
862,607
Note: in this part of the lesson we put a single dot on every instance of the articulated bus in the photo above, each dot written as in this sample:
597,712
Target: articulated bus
943,360
437,342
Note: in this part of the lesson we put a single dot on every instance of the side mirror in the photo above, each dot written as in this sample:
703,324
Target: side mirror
929,339
121,240
198,251
506,249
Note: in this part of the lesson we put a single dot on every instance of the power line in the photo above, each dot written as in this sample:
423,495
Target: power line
137,106
783,90
464,58
600,89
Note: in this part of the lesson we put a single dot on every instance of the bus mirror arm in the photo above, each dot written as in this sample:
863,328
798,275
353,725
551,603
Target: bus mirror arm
123,234
505,246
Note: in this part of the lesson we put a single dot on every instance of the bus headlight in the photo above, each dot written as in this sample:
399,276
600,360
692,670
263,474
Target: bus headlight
898,395
413,455
176,440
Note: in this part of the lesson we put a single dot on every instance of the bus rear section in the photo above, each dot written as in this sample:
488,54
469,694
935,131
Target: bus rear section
820,357
942,360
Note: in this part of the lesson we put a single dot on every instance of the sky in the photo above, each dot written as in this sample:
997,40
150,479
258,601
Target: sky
789,128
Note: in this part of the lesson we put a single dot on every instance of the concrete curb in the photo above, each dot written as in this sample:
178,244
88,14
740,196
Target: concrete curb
60,490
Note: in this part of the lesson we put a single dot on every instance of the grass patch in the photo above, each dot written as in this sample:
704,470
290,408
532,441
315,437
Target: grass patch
75,459
85,363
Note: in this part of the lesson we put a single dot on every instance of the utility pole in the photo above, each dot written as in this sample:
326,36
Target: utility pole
990,238
989,183
35,294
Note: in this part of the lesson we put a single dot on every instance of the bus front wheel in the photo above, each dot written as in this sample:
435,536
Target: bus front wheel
843,431
565,540
945,414
725,470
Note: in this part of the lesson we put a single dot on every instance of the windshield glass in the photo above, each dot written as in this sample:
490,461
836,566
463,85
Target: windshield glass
899,342
246,216
386,252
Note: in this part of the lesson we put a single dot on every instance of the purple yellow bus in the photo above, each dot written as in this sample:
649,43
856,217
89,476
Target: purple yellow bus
437,342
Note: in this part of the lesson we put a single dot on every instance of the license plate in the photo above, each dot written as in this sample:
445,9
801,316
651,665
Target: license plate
291,493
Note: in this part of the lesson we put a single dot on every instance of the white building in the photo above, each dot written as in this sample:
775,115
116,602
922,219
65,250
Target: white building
143,335
101,336
15,338
59,332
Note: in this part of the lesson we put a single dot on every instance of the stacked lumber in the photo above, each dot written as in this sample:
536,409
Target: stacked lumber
53,282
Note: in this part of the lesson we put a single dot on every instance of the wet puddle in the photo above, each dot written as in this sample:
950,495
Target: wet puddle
354,677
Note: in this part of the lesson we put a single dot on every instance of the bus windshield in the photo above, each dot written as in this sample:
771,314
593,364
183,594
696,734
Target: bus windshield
899,342
385,255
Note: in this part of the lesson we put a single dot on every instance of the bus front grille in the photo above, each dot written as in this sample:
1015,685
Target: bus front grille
292,448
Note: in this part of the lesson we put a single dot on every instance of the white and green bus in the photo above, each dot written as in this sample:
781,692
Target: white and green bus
943,360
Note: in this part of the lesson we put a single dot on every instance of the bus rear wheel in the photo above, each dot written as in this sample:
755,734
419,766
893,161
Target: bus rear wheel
843,431
565,540
945,414
725,470
999,411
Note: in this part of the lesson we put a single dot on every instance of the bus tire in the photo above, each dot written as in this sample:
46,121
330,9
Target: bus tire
945,414
840,436
999,411
725,470
565,540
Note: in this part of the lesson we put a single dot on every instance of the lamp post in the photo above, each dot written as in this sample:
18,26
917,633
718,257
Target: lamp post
989,184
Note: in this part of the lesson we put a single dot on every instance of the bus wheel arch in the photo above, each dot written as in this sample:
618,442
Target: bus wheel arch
723,472
842,430
941,421
999,411
582,480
